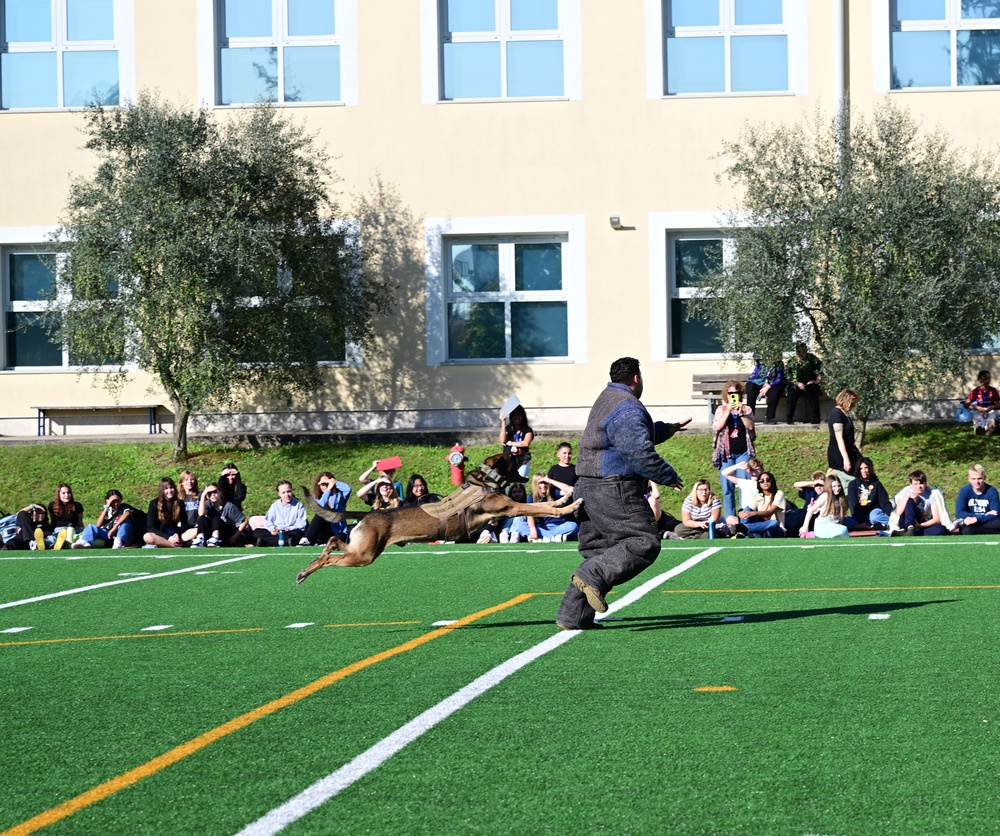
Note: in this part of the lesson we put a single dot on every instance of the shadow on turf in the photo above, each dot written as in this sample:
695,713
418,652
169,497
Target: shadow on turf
714,619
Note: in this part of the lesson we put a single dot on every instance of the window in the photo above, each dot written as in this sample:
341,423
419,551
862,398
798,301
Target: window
504,49
286,51
725,46
59,53
506,299
28,281
944,43
689,257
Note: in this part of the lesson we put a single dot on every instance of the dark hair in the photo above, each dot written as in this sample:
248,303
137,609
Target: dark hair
317,491
919,475
871,467
564,444
624,370
519,489
168,510
774,482
410,498
111,493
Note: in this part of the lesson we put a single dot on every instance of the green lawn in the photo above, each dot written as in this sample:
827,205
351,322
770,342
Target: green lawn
820,718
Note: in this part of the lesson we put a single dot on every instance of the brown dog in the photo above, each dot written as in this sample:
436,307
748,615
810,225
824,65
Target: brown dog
479,500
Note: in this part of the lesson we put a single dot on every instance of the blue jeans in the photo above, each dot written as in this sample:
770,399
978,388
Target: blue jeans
93,532
728,488
764,528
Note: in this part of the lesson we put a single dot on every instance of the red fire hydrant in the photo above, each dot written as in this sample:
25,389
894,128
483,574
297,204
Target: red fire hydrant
457,460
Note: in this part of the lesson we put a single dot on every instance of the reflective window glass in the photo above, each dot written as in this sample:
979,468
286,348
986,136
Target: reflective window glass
920,9
27,21
471,16
534,68
758,12
475,268
311,17
312,73
978,55
32,277
694,259
90,77
538,267
921,59
759,63
476,331
248,18
693,13
248,74
696,65
690,336
28,79
980,9
472,70
534,14
28,342
538,329
90,20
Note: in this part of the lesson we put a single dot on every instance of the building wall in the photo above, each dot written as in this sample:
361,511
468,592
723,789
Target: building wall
612,145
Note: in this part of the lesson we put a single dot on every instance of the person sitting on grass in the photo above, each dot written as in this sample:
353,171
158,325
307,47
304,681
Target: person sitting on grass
831,510
285,520
868,498
333,495
798,521
65,517
977,509
381,494
765,516
31,526
220,523
365,479
514,529
701,509
190,496
166,519
549,529
744,476
666,523
114,524
918,509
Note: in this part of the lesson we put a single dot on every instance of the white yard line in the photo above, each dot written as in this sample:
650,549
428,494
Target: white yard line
66,592
326,788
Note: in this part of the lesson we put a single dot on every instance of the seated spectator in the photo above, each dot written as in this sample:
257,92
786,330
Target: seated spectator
977,509
365,479
798,521
831,510
417,492
766,515
220,523
381,494
190,496
514,529
984,401
743,477
166,519
332,495
65,517
114,524
766,381
565,470
804,376
666,524
701,509
868,498
231,485
285,520
919,509
549,529
31,525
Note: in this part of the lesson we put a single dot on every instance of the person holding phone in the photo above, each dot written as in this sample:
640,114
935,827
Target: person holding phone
733,426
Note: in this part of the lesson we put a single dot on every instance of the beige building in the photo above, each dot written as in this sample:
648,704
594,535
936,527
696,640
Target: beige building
557,160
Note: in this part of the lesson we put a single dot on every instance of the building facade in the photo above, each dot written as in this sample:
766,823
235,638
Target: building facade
556,162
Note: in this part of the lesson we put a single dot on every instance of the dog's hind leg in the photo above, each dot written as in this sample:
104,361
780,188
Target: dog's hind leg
326,558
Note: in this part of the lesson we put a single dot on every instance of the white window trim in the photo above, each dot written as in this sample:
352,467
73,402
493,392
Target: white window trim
430,56
796,22
123,44
436,230
207,43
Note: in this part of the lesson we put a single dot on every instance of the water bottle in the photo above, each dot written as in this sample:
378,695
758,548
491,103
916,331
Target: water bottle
281,539
711,530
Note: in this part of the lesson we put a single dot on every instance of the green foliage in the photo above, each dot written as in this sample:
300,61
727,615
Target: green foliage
209,254
880,249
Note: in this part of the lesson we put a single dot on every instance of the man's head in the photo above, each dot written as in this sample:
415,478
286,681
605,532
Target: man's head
918,480
977,477
626,370
564,452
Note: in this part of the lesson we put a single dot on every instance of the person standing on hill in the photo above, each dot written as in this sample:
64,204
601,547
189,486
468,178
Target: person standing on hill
617,456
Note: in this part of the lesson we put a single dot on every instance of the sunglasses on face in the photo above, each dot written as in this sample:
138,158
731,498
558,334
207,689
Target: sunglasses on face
324,484
765,481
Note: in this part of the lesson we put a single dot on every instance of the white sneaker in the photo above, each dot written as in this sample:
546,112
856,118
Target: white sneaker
515,537
81,544
198,542
505,536
213,542
304,542
118,544
484,537
147,546
559,538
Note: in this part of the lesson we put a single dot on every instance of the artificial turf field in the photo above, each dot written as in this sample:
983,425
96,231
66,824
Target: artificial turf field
800,687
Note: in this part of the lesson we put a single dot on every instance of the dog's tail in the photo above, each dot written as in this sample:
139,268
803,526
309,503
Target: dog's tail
326,513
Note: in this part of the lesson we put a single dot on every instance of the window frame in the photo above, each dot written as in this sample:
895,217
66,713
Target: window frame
794,27
441,233
122,43
211,41
433,38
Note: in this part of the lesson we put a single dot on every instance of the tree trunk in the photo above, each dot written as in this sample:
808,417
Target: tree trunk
181,414
861,436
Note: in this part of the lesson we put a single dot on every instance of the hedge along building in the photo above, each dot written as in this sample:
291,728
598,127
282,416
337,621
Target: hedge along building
557,157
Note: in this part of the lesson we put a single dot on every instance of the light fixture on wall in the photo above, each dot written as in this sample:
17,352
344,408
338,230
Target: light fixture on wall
616,222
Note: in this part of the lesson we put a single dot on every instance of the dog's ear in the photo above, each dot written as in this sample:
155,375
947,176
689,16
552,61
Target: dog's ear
491,461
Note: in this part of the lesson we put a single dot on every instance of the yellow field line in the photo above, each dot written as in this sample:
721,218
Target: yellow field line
133,776
136,636
825,589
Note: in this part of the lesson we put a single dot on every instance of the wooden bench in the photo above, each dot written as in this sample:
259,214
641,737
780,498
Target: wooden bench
707,387
45,414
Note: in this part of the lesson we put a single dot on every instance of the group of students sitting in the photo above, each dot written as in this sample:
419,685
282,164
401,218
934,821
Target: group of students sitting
830,510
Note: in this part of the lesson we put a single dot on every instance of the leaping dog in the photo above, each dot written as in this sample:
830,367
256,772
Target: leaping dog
479,500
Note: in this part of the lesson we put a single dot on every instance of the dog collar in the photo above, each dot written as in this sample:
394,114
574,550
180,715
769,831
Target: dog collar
492,477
